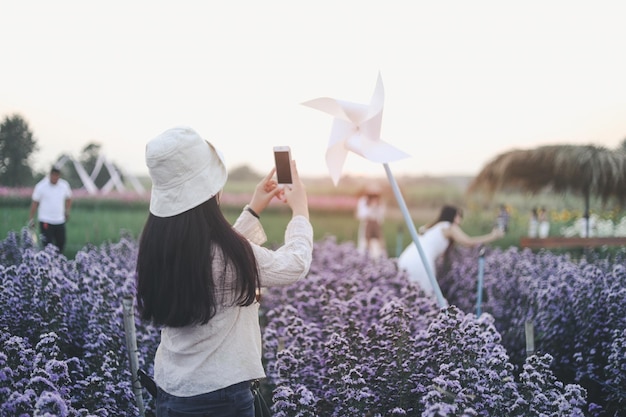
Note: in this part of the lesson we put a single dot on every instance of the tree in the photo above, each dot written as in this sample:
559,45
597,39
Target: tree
243,173
587,170
16,147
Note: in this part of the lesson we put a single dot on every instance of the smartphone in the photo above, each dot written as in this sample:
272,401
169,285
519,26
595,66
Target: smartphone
282,159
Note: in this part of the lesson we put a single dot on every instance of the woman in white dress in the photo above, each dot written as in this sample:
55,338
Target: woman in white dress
436,239
544,224
533,223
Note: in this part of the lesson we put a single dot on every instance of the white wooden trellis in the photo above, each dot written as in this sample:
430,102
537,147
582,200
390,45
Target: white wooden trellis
115,182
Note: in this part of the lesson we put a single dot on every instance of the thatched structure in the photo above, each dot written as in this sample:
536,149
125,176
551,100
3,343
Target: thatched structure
581,169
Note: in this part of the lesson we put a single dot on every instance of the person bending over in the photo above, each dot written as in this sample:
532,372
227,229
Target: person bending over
436,240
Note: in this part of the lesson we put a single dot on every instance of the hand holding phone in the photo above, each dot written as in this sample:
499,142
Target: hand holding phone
282,159
286,173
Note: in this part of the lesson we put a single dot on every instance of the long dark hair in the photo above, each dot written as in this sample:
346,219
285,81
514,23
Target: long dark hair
176,283
447,214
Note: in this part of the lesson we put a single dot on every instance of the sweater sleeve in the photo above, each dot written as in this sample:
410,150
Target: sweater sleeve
250,227
290,262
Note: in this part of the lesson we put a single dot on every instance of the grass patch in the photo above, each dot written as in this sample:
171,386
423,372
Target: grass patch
97,220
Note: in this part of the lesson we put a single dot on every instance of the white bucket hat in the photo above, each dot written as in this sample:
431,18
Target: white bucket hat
186,171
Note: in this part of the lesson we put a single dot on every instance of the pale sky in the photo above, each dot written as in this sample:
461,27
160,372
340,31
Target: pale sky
464,80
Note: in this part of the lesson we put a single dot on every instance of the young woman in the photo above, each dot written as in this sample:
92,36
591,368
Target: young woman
198,277
436,239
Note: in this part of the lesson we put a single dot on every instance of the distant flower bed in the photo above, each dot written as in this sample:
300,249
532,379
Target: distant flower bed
316,202
81,193
351,339
320,202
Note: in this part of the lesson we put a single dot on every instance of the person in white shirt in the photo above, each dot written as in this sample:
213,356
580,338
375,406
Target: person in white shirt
52,200
198,277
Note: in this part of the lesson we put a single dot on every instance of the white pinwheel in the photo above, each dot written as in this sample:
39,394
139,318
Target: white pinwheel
356,128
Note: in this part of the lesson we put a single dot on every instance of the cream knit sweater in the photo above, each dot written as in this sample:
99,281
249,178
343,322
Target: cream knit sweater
198,359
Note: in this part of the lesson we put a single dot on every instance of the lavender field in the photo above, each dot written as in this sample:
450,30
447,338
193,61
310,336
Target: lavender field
352,339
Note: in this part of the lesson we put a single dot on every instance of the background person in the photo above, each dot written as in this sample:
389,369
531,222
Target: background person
52,201
198,277
361,216
544,223
436,240
371,215
502,220
533,223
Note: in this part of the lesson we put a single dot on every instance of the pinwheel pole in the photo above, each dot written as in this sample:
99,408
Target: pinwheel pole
481,275
131,347
441,301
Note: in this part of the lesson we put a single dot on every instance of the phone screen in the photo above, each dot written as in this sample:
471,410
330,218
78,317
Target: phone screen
282,158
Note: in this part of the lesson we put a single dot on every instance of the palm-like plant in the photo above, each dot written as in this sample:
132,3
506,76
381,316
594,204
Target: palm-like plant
582,169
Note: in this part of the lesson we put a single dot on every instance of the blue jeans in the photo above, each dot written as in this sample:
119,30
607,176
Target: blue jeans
233,401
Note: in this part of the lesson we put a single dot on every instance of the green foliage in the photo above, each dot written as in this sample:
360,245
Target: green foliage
16,146
243,173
